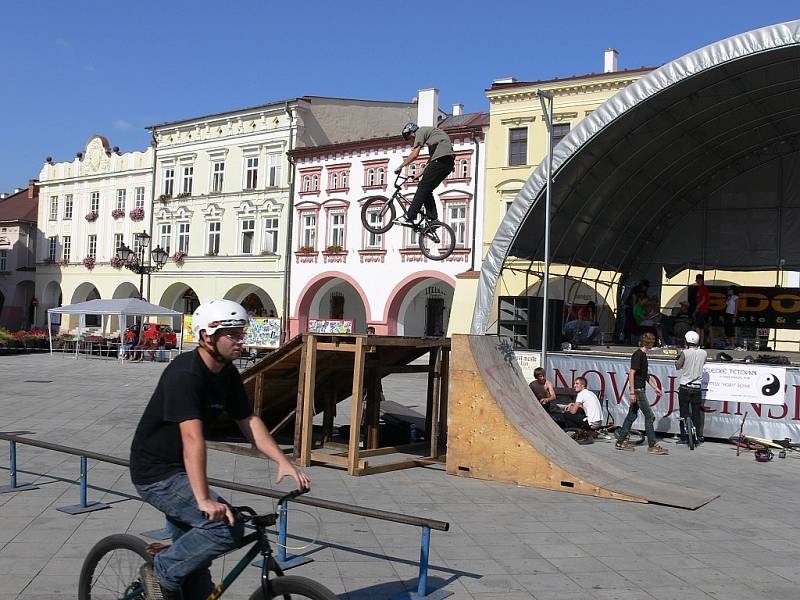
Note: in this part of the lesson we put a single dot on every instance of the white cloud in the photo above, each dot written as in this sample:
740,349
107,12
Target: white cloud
121,124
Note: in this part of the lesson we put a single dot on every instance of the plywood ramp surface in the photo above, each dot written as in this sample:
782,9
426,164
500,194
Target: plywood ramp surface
496,431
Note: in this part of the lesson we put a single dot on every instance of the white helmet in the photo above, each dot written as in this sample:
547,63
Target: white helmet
692,337
218,314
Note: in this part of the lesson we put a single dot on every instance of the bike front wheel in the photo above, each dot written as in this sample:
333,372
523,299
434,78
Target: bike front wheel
291,587
377,214
111,569
437,240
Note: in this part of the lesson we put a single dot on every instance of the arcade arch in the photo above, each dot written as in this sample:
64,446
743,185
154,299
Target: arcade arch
332,296
254,299
420,305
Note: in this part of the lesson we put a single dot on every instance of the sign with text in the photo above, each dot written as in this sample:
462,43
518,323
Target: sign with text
330,326
756,384
263,332
766,307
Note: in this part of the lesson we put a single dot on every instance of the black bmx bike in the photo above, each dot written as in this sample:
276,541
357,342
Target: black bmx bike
436,239
111,569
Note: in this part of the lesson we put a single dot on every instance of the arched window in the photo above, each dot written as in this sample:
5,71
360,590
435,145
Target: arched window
334,181
344,180
412,170
370,176
315,182
381,176
463,168
306,183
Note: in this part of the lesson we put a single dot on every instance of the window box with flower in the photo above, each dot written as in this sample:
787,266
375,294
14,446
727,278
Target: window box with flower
91,216
137,214
118,213
183,195
164,198
179,257
89,262
62,262
117,262
306,250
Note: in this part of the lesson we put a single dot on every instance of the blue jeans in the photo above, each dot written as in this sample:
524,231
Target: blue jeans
196,540
633,412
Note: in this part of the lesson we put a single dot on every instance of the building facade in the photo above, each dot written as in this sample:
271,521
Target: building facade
89,207
18,238
341,271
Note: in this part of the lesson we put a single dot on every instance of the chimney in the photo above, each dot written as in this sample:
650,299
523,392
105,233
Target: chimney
17,190
3,196
427,107
32,188
502,80
458,109
611,61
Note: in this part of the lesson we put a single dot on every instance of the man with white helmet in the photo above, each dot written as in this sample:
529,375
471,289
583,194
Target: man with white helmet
168,453
690,397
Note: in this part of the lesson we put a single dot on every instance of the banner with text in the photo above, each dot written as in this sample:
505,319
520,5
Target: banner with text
776,416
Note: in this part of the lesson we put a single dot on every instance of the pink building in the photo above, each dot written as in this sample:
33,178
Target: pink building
18,213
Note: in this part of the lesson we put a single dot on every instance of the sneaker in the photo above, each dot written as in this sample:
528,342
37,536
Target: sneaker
403,221
682,442
624,445
700,440
657,450
152,586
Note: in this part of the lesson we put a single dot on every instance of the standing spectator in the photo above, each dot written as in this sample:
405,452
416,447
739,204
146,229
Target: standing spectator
690,398
702,301
638,292
637,381
731,310
542,389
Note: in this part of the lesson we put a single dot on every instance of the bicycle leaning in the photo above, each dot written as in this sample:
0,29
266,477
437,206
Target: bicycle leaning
111,569
436,239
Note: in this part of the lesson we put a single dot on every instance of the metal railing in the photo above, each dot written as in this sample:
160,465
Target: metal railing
85,506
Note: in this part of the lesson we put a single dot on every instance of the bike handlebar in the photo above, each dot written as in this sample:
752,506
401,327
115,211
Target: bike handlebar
245,513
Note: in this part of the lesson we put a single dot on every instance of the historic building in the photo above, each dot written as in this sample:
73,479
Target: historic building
18,214
341,271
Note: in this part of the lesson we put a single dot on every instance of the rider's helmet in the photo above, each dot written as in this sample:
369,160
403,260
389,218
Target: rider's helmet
218,314
692,337
409,129
764,455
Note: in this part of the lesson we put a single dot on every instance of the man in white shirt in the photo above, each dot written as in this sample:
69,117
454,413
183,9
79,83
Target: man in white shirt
586,410
690,396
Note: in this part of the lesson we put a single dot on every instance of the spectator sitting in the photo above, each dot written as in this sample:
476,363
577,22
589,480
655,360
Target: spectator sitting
159,352
586,411
138,351
131,341
542,389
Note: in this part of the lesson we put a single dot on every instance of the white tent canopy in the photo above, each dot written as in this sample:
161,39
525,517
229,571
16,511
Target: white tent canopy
122,308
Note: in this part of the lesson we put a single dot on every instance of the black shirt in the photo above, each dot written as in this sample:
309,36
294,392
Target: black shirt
639,362
187,390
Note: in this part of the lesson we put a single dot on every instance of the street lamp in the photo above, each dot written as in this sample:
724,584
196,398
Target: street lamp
546,100
134,259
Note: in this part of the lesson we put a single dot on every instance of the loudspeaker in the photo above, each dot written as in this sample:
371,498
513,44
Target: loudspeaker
555,318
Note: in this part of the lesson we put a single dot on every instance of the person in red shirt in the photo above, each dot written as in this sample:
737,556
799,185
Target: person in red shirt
701,305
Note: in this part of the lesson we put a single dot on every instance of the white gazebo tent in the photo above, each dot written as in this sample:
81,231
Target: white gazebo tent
122,308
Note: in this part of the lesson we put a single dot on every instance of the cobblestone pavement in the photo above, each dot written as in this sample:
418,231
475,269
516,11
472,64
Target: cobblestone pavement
505,542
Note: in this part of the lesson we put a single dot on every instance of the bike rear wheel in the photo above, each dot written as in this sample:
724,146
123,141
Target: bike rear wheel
437,240
691,440
111,569
743,442
291,587
377,214
635,436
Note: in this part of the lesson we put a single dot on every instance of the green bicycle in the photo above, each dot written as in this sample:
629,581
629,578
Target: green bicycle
111,569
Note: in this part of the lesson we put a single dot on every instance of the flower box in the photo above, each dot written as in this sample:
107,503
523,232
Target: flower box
137,214
164,198
117,262
118,213
179,257
91,216
89,262
306,250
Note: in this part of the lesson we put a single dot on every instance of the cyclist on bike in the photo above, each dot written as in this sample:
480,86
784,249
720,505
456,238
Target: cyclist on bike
168,453
690,398
440,165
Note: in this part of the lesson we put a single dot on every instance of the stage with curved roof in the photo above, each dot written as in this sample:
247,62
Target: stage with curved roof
696,164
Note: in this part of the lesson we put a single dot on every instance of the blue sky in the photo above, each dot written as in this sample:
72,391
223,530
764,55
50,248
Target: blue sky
72,69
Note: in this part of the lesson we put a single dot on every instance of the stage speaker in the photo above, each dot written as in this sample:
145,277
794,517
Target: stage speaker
555,318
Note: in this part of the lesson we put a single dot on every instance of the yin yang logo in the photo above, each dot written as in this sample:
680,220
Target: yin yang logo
772,386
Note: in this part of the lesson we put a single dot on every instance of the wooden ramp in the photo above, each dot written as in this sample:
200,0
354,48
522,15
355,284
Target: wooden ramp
496,432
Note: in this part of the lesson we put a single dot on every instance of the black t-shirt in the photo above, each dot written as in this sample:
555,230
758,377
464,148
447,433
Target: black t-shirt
187,390
639,362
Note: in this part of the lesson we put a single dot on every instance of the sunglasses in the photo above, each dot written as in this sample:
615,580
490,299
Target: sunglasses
234,337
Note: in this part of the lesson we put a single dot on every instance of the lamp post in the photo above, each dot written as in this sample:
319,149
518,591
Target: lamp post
546,100
134,259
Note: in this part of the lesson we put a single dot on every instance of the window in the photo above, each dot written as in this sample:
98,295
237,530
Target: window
271,235
120,199
52,249
94,202
251,173
214,229
306,183
118,242
560,131
343,180
463,168
137,245
188,175
66,248
183,237
217,175
412,170
336,229
457,219
3,260
334,183
370,176
308,231
68,206
92,246
381,175
165,237
315,182
248,234
411,237
53,208
169,181
274,170
517,146
139,198
374,240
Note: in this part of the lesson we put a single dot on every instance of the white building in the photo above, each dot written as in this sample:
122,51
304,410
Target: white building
222,194
88,207
340,270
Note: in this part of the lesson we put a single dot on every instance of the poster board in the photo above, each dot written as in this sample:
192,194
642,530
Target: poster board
186,330
330,326
263,332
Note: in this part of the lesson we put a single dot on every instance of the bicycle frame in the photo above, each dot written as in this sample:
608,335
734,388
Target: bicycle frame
260,546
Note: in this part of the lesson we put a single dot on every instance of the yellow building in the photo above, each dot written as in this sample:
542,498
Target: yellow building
516,144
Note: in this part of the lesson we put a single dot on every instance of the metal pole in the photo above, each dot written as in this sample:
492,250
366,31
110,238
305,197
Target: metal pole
424,551
546,101
13,452
84,482
283,518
